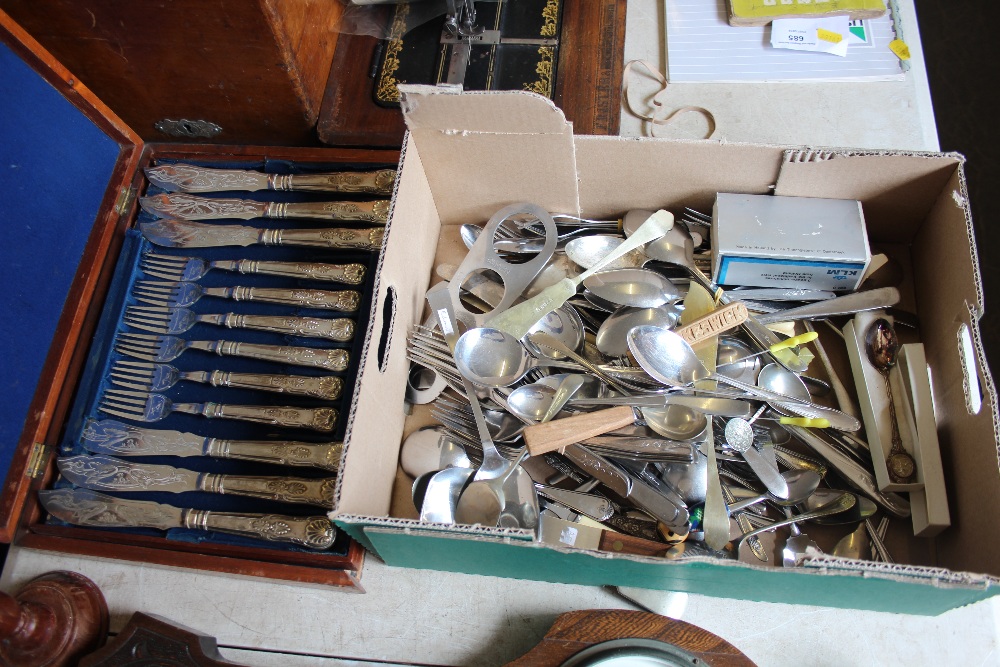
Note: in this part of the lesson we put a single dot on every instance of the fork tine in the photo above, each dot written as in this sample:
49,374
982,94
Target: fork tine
120,413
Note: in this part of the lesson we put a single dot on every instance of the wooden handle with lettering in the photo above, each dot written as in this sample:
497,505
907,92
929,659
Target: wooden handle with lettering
556,434
716,322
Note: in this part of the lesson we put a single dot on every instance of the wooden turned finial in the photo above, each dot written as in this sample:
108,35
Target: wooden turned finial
52,621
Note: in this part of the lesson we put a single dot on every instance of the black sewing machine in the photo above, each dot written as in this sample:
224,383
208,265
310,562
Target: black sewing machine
567,50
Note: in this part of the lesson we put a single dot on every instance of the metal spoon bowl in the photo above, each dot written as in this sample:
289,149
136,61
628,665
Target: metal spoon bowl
431,449
589,250
611,336
638,288
563,324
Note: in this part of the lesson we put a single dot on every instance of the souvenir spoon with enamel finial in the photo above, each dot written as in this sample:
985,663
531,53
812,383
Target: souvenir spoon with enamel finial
882,346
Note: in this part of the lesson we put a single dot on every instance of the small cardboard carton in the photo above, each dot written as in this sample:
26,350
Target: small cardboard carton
468,155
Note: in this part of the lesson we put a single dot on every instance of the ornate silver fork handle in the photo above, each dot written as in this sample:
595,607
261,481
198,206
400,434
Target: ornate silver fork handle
285,453
352,274
328,388
315,532
341,300
340,329
317,419
332,360
303,491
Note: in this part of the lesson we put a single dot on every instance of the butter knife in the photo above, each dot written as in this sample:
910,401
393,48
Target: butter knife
106,473
192,207
108,436
83,507
190,178
184,234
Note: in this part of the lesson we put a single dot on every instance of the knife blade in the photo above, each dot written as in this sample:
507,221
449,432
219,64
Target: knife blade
83,507
108,436
630,487
107,473
194,179
185,234
192,207
723,407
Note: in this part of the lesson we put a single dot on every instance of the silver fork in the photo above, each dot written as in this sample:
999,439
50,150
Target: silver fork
160,377
164,320
180,294
172,267
163,349
149,407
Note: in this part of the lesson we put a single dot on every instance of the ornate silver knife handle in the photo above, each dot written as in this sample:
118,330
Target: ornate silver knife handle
331,360
351,274
338,238
317,419
285,453
340,329
315,532
341,300
366,211
328,388
303,491
375,182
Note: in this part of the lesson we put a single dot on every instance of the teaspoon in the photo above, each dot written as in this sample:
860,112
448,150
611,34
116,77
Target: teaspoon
882,346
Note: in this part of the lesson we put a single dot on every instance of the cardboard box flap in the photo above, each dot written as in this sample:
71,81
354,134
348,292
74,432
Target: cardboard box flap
895,189
477,146
63,154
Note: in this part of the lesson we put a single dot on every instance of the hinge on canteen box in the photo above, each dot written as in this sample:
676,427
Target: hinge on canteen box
125,198
36,461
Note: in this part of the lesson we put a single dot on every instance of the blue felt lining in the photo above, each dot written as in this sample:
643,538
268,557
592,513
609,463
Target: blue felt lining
102,356
55,167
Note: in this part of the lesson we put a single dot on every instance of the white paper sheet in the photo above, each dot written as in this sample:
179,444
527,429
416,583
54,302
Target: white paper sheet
703,47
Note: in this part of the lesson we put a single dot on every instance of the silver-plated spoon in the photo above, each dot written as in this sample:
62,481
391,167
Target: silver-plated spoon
669,358
638,288
611,336
430,449
882,346
801,484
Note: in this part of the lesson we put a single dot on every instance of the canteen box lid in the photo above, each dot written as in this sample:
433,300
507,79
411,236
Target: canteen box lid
64,159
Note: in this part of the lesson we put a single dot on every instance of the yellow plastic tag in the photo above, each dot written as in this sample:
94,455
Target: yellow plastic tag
805,422
807,337
900,48
829,36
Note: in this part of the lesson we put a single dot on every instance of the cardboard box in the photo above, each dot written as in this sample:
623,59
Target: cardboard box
468,155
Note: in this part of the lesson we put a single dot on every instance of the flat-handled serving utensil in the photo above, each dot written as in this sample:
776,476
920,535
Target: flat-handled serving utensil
83,507
163,349
106,473
191,207
160,377
173,267
164,320
184,234
190,178
181,294
151,407
107,436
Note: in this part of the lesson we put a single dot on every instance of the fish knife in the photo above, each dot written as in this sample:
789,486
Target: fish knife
98,472
193,207
83,507
185,234
108,436
193,179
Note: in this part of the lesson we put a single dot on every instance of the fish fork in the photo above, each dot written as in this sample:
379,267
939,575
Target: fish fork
171,267
163,320
181,294
162,349
160,377
150,407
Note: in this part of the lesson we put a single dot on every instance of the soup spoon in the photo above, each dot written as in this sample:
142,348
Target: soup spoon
669,358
